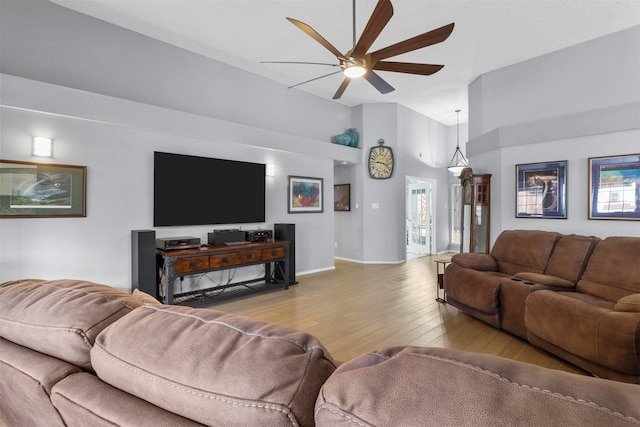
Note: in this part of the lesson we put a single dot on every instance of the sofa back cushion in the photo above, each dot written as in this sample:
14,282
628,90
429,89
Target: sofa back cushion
60,318
613,270
518,251
213,367
570,256
416,387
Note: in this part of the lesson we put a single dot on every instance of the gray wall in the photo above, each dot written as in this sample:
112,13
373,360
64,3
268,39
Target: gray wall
580,102
422,149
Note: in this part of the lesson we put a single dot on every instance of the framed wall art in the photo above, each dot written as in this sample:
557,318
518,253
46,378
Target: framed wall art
38,190
304,195
614,187
541,190
342,197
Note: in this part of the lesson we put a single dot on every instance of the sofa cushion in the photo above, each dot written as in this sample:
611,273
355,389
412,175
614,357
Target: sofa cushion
628,303
411,386
613,270
570,256
517,251
213,367
26,380
586,326
84,400
144,298
60,318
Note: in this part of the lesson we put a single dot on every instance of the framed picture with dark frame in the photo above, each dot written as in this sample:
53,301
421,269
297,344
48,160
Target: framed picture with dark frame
614,187
42,190
305,195
342,197
541,190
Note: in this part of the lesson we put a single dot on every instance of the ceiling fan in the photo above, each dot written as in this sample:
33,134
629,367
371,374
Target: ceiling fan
357,62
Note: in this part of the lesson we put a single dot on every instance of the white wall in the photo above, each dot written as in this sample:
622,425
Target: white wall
580,102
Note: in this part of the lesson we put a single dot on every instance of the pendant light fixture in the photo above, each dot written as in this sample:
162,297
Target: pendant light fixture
458,161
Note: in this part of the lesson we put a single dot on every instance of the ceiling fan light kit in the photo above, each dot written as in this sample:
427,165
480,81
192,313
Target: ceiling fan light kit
358,63
353,69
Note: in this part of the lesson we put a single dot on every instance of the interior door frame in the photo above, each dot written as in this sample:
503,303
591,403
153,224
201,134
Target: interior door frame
432,185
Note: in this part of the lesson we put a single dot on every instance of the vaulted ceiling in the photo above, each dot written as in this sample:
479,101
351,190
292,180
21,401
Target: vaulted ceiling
488,34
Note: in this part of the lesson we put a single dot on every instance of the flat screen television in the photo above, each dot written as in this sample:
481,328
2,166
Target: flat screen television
192,190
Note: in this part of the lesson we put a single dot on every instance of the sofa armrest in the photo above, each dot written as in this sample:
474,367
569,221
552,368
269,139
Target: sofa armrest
547,280
480,262
629,303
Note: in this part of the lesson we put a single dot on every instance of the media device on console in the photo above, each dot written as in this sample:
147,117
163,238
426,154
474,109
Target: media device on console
171,243
258,235
223,237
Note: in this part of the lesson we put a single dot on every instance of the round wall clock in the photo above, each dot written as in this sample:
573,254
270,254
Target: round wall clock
380,161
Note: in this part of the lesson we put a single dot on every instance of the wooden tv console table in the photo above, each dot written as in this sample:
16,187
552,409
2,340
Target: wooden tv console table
191,262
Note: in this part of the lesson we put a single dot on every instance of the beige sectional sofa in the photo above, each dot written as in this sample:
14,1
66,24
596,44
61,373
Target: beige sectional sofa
74,353
577,297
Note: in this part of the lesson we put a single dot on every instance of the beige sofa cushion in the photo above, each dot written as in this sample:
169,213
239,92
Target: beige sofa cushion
84,400
629,303
213,367
26,380
418,387
60,318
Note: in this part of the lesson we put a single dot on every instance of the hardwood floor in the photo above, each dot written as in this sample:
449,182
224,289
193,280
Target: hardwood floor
358,308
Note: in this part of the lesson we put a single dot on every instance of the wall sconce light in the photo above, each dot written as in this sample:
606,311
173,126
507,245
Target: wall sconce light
42,147
270,170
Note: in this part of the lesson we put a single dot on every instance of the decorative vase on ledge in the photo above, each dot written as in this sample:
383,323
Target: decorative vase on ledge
348,138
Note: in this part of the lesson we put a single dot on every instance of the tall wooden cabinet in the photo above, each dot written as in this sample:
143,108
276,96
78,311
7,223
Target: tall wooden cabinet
476,211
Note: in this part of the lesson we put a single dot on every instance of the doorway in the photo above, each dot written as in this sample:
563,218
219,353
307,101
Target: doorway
420,219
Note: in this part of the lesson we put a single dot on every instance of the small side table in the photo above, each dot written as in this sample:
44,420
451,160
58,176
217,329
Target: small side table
441,262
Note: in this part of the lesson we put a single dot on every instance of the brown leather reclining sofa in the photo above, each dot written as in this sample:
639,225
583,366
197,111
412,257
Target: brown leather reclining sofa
577,297
74,353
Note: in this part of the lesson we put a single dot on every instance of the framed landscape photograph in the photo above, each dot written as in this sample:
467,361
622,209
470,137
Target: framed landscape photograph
39,190
304,195
342,197
541,190
614,187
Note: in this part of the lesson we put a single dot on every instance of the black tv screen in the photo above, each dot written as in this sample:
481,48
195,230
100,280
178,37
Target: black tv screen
192,190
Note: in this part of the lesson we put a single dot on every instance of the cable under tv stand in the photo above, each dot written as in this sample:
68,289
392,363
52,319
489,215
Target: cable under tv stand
176,264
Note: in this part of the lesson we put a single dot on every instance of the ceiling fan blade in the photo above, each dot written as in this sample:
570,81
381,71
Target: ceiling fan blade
378,20
300,62
316,36
342,87
314,79
377,82
418,42
408,67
